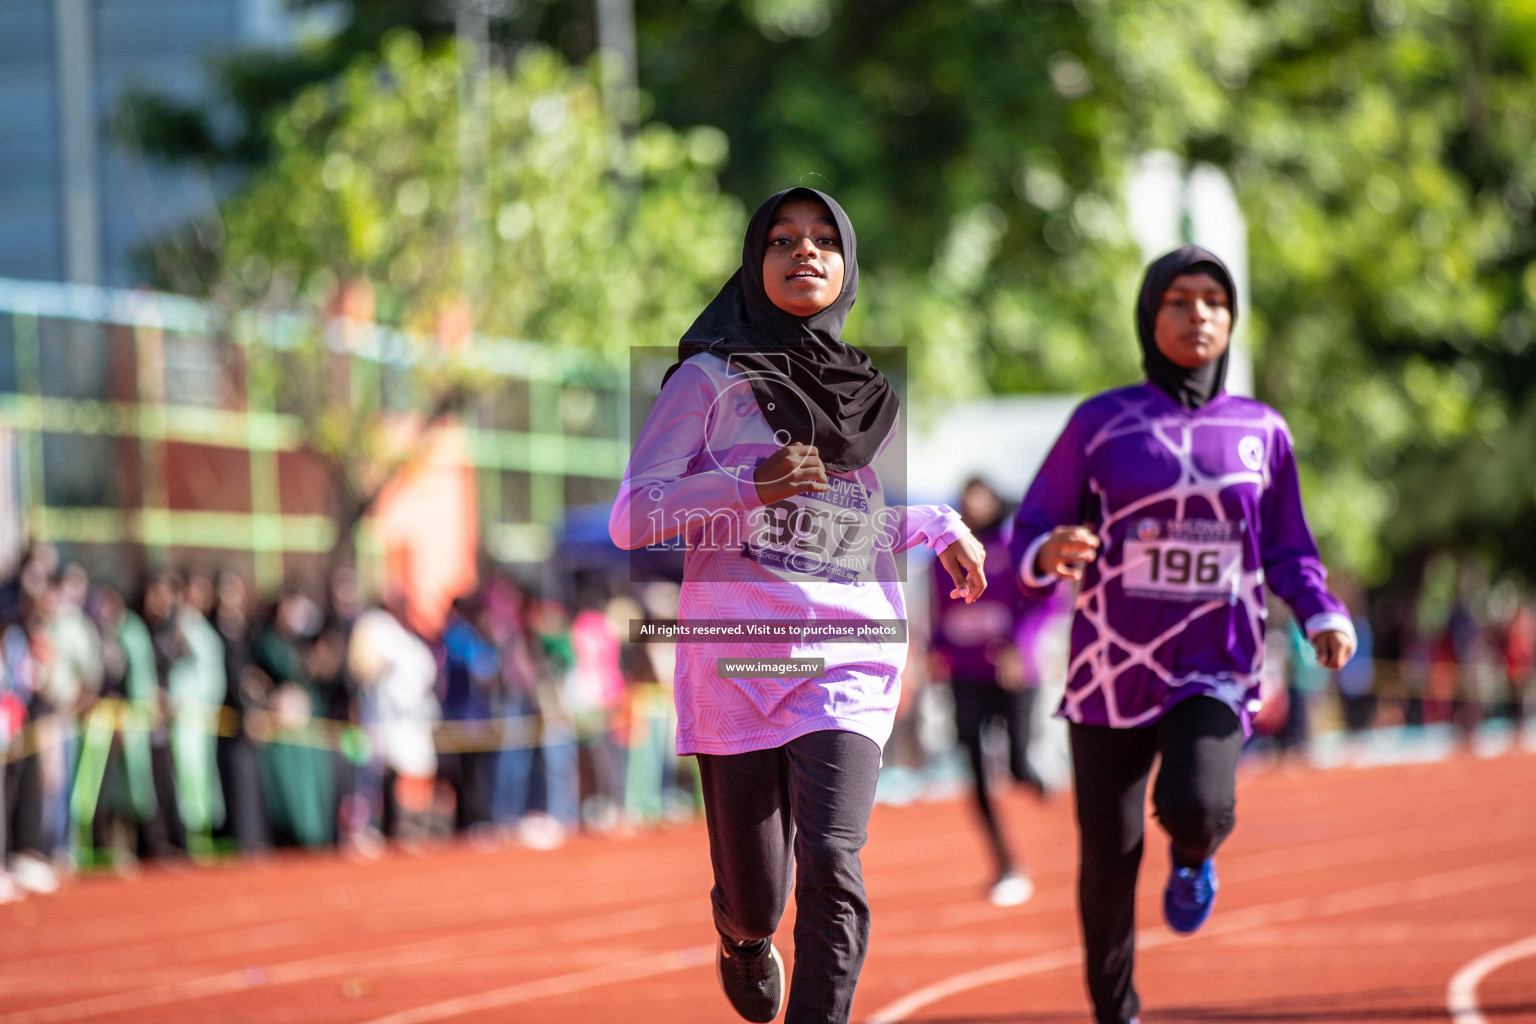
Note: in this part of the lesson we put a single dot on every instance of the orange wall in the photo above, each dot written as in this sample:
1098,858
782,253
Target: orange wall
427,522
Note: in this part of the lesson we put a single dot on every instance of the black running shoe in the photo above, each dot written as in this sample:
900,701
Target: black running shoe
754,984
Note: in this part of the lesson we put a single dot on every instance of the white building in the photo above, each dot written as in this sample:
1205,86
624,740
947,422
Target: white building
73,205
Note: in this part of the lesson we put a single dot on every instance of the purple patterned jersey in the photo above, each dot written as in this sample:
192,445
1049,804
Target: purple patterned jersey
1196,511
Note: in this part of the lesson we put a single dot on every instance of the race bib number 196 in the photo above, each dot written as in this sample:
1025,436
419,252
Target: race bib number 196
1183,559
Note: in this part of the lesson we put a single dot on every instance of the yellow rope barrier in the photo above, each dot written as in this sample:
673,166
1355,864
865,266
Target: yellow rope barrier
461,736
1394,680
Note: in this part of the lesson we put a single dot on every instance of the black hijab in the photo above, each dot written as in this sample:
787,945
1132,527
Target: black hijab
1190,388
830,396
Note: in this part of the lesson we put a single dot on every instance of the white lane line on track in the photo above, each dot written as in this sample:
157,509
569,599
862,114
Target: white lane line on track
401,955
1240,867
108,933
398,956
1300,908
173,987
1461,995
609,974
404,955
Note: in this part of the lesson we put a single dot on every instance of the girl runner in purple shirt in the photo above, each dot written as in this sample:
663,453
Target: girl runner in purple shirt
1173,504
988,652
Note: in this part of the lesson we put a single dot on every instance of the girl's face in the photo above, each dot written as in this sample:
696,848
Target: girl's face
803,264
1194,323
979,504
231,588
159,600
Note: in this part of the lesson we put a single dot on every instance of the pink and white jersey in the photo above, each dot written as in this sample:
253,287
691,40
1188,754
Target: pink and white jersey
814,558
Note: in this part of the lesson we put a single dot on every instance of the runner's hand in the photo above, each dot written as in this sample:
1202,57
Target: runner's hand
1067,553
965,562
1010,667
794,469
1333,648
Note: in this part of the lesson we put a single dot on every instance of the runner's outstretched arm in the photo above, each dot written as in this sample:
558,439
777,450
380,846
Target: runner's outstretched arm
1054,499
1293,569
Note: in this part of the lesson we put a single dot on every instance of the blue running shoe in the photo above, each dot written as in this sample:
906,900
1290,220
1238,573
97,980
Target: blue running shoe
1190,894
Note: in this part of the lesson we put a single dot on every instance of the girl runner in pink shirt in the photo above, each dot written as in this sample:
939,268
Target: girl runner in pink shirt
760,454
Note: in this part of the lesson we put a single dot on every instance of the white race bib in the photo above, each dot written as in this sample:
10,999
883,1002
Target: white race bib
1183,559
830,536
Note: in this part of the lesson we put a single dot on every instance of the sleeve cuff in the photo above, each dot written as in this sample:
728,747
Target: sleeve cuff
1027,572
1324,621
954,529
746,489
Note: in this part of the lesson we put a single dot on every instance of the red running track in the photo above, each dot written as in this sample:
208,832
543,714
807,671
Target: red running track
1348,895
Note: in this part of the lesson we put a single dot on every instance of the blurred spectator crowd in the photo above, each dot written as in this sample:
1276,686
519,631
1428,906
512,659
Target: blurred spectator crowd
193,720
1456,653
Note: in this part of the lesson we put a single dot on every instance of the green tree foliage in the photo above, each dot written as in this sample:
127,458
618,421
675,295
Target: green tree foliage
982,162
578,238
229,126
1384,153
572,234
